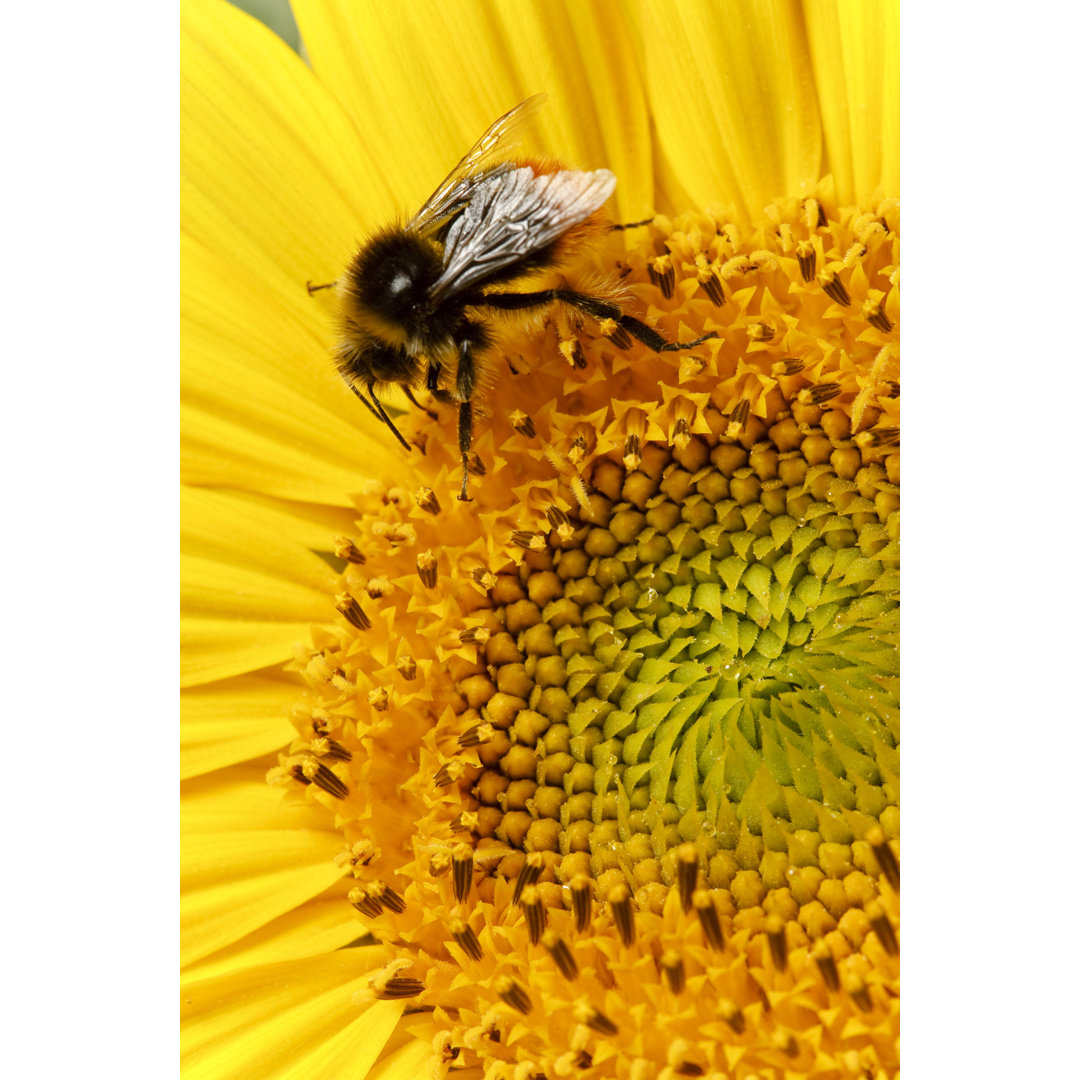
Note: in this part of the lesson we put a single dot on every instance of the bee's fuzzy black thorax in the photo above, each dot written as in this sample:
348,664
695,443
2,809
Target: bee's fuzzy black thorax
391,277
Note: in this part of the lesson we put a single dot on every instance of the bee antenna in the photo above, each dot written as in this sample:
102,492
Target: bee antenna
377,410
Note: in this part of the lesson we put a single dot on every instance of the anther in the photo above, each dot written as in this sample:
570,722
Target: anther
386,896
681,435
710,921
826,963
674,970
345,549
397,988
522,423
687,873
406,668
788,366
476,466
331,749
622,912
732,1015
365,904
477,735
822,392
463,872
581,900
881,926
347,606
379,699
834,288
855,987
874,311
557,519
807,258
760,332
427,567
484,578
885,436
786,1043
632,452
535,913
513,993
427,500
561,954
662,274
466,938
440,864
530,874
321,777
886,857
474,635
572,352
449,773
774,929
578,449
594,1019
530,541
616,334
738,415
710,284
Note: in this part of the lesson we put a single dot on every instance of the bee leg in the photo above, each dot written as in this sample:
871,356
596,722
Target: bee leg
313,289
409,395
631,225
377,410
432,380
466,383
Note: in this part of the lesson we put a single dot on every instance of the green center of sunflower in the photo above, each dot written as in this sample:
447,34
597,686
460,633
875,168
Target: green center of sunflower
706,654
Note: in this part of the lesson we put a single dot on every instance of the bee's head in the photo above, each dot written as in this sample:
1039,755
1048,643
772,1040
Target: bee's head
389,282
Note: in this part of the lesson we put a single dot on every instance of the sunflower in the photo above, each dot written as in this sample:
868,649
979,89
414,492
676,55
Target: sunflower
596,774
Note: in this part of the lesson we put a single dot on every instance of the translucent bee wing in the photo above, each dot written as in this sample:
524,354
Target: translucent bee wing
478,165
512,215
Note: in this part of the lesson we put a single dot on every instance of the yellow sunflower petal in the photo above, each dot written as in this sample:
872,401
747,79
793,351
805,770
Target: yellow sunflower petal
413,1058
271,169
248,591
296,1019
231,721
261,406
733,98
575,53
317,926
855,48
246,858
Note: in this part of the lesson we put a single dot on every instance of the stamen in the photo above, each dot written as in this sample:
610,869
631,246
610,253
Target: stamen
365,904
687,874
530,873
397,988
826,963
386,896
774,928
822,392
463,872
622,913
807,258
561,954
581,900
427,500
834,288
427,567
347,606
632,453
345,549
674,970
593,1018
379,699
466,938
331,749
710,283
786,1043
617,334
477,735
788,366
522,423
406,668
530,541
881,925
662,274
732,1015
535,913
316,773
760,332
710,921
513,993
474,635
476,466
855,987
886,857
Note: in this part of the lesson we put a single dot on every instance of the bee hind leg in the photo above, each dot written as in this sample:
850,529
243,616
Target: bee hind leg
473,339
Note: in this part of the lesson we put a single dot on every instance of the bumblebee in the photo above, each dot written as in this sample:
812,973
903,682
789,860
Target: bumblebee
417,301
